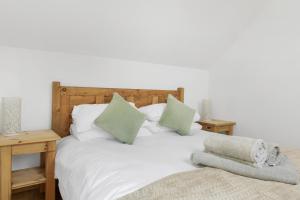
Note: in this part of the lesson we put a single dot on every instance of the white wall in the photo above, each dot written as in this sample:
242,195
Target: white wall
257,82
182,32
29,73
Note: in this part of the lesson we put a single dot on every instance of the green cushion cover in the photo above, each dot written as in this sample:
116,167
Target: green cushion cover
177,116
121,120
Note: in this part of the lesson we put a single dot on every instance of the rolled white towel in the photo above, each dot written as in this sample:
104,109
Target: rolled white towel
275,157
242,148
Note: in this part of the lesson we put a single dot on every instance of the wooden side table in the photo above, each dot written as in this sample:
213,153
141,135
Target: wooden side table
29,142
218,126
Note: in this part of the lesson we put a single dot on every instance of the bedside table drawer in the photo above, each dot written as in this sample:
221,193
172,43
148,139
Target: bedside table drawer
207,127
222,128
217,129
29,148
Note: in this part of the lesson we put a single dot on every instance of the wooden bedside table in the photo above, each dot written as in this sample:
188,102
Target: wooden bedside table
28,142
218,126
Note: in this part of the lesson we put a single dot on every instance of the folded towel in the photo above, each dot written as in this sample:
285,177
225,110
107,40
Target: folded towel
285,172
274,156
247,149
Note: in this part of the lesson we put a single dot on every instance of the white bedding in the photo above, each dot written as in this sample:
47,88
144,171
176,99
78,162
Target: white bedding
104,169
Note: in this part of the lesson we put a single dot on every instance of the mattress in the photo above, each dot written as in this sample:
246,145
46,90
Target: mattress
106,169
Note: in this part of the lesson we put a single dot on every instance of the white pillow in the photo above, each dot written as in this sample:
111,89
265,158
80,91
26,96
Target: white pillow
84,115
153,112
195,128
155,128
97,132
144,132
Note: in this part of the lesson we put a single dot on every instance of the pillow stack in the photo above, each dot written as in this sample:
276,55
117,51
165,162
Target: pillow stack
123,121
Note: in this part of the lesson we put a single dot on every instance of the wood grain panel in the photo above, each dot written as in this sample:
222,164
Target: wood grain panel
154,99
27,177
65,115
130,99
55,124
29,137
65,97
5,172
77,100
49,171
33,194
99,99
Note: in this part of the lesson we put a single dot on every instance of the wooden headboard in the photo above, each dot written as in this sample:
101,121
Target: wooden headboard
64,98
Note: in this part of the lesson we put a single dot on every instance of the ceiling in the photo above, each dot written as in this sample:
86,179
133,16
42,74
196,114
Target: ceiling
188,33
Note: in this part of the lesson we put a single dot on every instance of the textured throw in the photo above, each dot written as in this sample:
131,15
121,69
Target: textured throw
215,184
285,172
253,151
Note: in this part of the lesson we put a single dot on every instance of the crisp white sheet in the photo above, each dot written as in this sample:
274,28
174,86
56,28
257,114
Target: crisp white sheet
106,169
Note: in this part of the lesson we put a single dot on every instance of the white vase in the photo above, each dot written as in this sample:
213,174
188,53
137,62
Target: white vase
11,115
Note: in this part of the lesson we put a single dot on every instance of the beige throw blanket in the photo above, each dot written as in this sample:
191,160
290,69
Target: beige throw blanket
215,184
253,151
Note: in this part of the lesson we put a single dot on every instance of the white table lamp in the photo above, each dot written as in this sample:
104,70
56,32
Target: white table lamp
11,115
206,109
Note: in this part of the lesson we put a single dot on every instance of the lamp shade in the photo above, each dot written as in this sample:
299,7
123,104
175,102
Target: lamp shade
11,115
206,109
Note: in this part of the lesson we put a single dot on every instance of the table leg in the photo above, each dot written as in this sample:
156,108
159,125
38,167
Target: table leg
42,165
5,173
49,171
230,131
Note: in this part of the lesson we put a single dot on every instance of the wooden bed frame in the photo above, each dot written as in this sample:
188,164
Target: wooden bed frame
64,98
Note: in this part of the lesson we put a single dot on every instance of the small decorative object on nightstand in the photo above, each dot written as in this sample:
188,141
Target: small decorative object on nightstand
218,126
11,115
28,142
206,109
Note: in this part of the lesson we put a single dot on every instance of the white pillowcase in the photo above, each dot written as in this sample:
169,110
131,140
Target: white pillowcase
97,132
195,128
155,128
84,115
144,132
153,112
90,134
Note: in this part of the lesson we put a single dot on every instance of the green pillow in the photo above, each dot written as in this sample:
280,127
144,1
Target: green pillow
177,116
121,120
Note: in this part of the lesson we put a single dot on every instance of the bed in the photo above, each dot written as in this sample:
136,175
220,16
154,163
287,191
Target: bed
155,167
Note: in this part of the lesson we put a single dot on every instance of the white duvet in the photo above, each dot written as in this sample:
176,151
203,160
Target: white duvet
104,169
